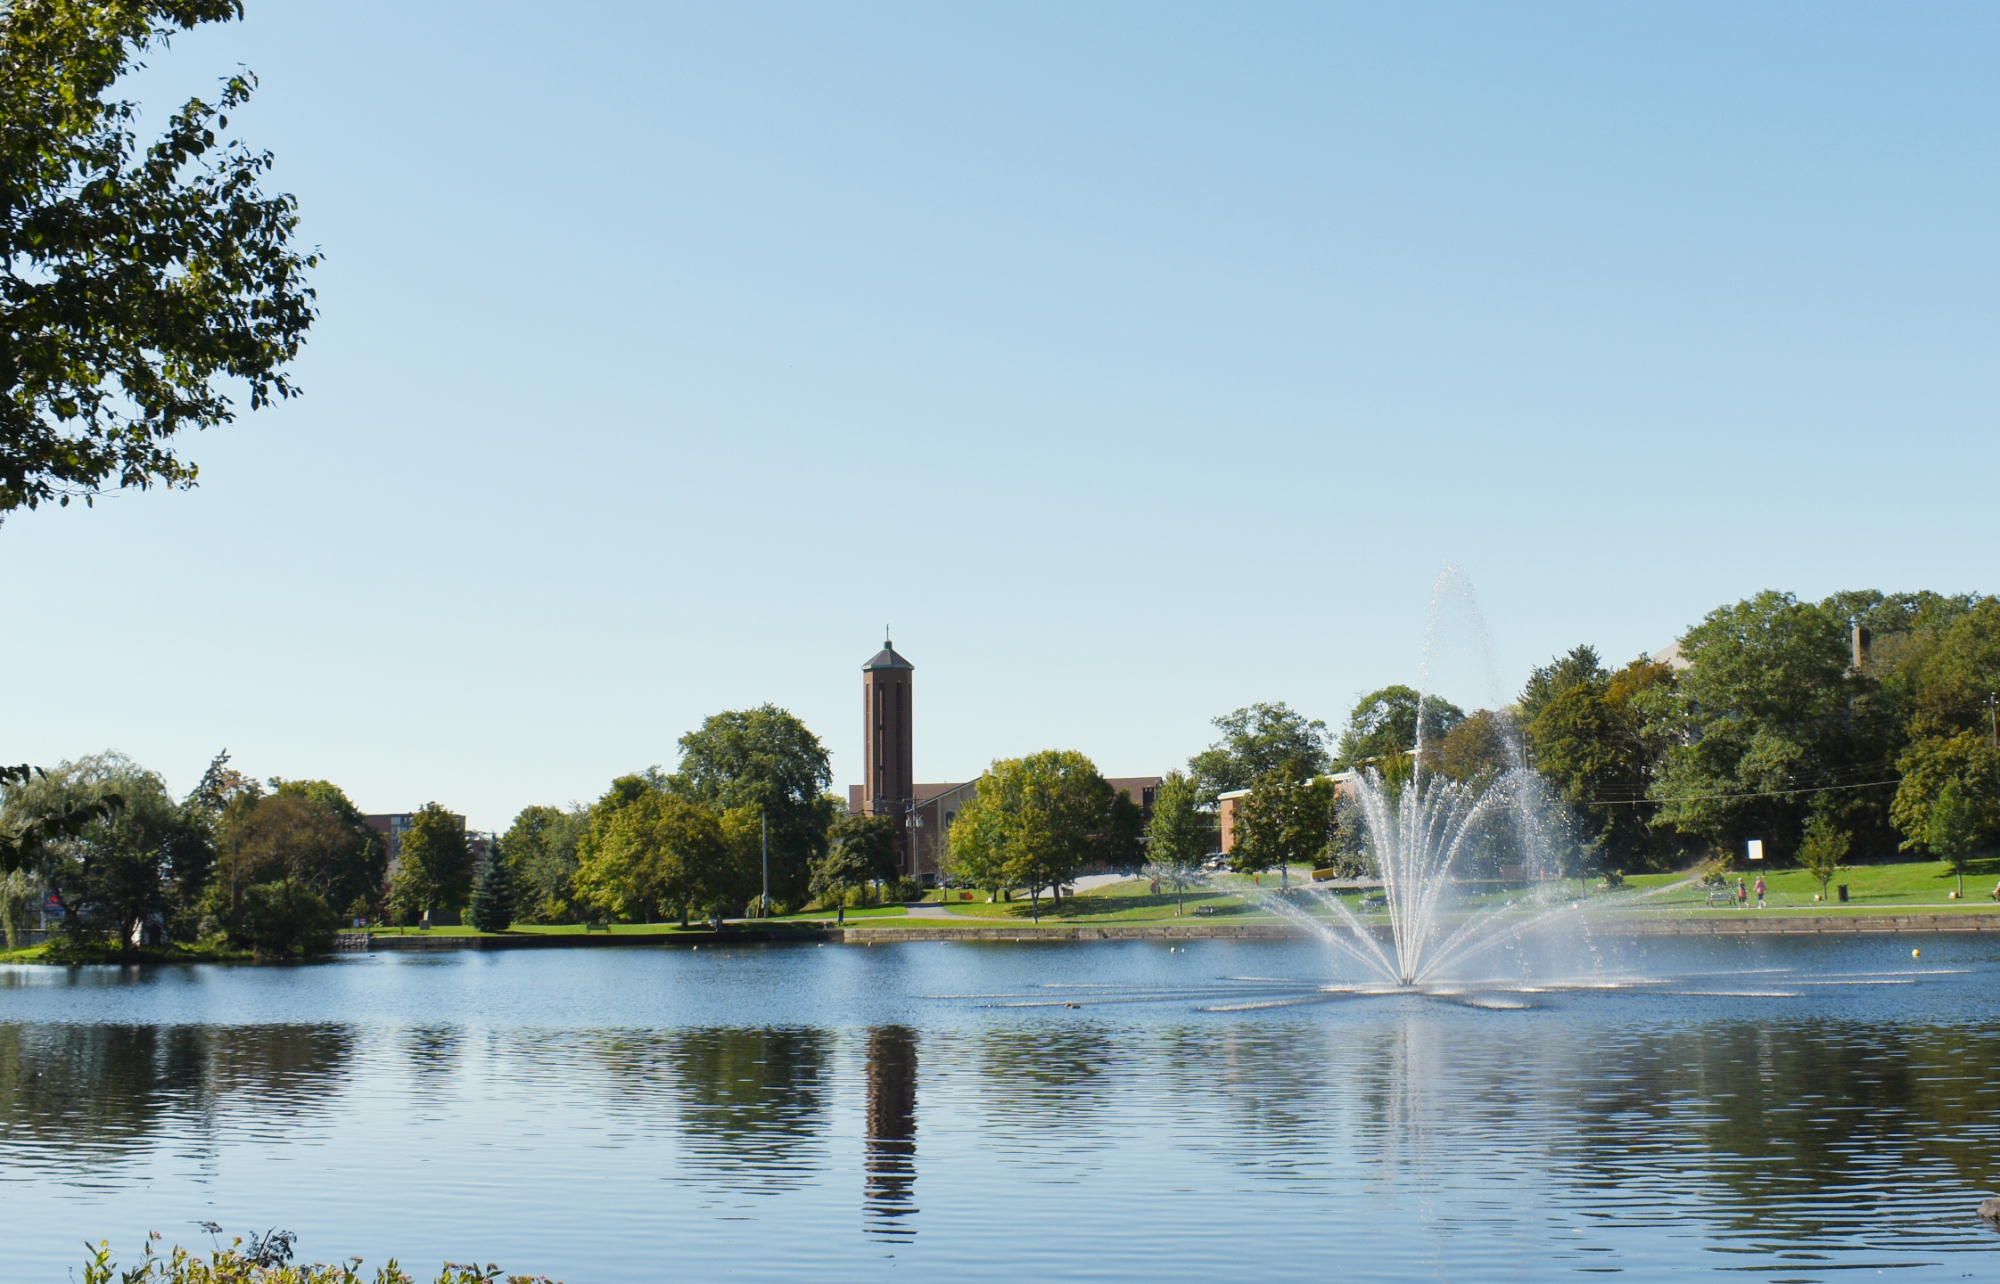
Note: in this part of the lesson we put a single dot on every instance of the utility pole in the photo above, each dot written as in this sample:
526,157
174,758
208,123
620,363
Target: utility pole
764,825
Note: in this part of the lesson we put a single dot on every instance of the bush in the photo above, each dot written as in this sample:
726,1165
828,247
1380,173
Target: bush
280,919
269,1261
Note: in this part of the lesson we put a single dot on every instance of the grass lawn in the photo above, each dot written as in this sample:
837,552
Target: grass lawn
1906,885
827,915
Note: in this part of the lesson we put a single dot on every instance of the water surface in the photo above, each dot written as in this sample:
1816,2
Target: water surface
1782,1109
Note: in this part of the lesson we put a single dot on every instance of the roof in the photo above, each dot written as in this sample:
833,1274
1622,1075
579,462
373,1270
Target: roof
887,658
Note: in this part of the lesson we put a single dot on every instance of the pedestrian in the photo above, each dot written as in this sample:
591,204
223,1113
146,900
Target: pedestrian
1760,891
1742,894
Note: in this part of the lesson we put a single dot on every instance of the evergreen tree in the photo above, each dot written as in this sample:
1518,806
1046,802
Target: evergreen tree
492,905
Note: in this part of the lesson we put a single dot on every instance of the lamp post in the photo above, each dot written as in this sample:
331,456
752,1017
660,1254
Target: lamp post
764,836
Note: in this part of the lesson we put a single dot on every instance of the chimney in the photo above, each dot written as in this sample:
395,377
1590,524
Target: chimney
1860,638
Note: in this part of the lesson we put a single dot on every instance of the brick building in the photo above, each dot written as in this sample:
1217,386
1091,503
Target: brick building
923,812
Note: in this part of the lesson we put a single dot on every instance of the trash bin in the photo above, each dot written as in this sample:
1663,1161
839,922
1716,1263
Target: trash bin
1842,889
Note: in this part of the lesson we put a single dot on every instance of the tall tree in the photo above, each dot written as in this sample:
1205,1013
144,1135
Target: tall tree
1592,742
1580,667
1035,822
1288,819
764,757
492,908
120,868
541,848
293,837
355,883
1256,739
1952,695
652,853
434,871
1180,835
862,851
1383,726
1770,716
132,283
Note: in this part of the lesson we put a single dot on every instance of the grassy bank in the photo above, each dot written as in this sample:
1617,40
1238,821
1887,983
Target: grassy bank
68,953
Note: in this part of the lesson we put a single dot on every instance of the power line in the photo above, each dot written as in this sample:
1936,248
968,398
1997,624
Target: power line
1767,793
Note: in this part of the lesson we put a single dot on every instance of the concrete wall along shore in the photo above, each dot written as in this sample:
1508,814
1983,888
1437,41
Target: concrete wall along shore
1747,924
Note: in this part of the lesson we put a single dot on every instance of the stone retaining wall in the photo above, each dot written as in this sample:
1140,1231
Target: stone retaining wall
1747,923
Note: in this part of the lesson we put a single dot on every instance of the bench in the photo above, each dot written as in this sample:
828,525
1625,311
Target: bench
1204,911
1374,903
597,927
1721,896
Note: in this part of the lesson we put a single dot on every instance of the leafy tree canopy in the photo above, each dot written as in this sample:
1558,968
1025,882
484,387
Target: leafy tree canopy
1035,822
1770,716
301,836
434,869
1383,725
764,757
1288,819
113,872
132,283
1545,682
1181,835
541,848
1256,739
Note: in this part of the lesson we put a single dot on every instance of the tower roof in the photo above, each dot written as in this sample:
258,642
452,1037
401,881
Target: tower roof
887,658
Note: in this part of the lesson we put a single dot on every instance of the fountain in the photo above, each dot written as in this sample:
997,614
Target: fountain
1419,835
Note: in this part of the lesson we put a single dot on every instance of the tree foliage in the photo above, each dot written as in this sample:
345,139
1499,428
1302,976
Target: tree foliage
1770,716
1289,818
132,282
301,843
650,853
492,907
541,850
123,867
434,870
1180,835
764,758
1590,739
1035,822
1256,739
862,850
1383,726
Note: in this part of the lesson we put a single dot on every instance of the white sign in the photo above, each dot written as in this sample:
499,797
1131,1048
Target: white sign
1756,849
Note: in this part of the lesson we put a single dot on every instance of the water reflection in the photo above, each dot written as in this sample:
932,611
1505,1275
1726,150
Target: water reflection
80,1097
890,1165
748,1104
1789,1135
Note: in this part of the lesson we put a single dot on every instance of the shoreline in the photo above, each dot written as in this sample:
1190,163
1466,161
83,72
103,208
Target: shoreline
1748,923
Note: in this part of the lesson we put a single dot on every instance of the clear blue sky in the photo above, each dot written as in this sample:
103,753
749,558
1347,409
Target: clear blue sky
1135,362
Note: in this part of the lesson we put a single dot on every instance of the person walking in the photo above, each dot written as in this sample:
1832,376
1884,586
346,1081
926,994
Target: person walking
1760,891
1742,894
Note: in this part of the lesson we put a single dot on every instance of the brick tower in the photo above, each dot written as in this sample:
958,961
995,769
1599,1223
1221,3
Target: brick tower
890,782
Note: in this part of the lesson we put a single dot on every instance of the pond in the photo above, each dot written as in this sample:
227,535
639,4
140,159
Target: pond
1777,1108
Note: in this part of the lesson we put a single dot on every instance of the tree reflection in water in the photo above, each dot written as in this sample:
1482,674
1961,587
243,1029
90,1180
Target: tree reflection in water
890,1165
750,1104
80,1097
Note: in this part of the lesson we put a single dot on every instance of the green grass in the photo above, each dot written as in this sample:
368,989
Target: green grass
62,953
1910,885
1905,885
698,927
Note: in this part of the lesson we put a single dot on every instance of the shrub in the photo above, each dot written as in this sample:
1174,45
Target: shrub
280,919
268,1261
